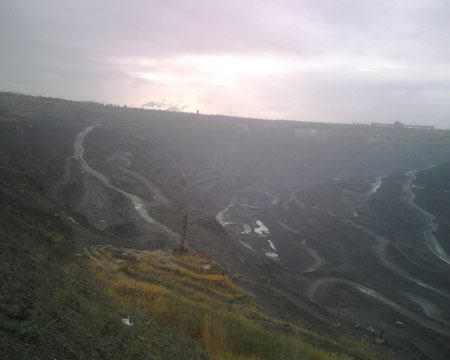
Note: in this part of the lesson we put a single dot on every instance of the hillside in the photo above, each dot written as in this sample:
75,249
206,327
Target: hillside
59,299
312,228
49,307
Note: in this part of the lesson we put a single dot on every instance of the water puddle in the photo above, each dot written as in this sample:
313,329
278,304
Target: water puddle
261,229
272,245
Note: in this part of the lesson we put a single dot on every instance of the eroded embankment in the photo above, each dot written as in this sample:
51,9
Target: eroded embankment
138,203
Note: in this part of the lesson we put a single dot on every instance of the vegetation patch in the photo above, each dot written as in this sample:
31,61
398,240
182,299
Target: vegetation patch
27,330
50,307
193,296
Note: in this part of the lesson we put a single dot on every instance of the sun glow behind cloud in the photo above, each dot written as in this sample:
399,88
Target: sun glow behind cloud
226,70
219,70
185,79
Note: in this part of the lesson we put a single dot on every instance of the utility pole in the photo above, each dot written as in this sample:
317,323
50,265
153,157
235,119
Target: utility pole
183,229
339,309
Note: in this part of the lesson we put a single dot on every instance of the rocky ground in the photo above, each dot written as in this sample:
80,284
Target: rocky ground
50,310
303,216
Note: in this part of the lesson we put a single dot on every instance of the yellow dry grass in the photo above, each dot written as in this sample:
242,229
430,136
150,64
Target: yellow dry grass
179,292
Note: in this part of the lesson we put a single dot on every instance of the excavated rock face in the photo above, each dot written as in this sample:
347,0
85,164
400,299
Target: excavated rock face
330,197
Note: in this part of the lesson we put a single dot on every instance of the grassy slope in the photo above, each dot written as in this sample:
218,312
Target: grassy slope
48,310
192,295
53,303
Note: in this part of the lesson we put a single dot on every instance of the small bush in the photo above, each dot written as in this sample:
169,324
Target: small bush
26,330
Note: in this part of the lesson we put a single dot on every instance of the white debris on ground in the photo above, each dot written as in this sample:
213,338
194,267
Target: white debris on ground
127,321
261,229
271,254
272,245
247,229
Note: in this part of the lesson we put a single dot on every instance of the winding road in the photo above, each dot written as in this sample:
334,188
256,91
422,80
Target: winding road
380,251
433,244
138,203
318,260
428,307
319,283
221,214
436,322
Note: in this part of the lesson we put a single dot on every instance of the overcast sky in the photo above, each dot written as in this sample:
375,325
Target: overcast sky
313,60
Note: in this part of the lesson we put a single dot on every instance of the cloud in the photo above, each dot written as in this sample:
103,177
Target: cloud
315,60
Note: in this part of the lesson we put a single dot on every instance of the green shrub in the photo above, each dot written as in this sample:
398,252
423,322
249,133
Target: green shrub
26,330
